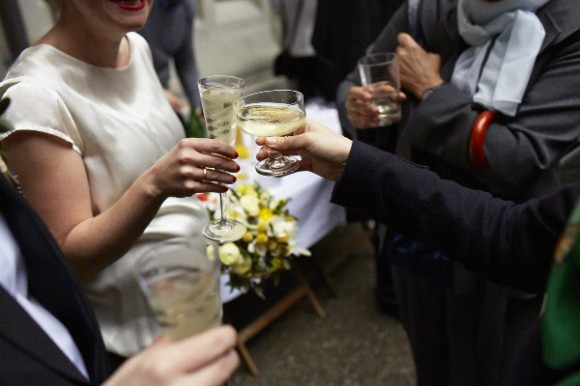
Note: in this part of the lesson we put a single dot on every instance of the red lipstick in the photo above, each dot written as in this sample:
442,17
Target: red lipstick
130,7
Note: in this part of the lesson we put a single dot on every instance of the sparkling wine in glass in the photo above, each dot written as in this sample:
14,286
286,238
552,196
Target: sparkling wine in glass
219,94
181,281
273,113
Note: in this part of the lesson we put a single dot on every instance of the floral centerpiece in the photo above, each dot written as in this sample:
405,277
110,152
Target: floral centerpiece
267,248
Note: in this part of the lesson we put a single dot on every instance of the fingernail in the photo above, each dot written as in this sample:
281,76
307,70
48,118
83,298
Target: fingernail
224,189
238,168
235,179
236,155
271,140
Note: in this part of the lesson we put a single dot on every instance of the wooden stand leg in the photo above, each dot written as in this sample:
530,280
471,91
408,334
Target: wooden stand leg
247,358
303,283
303,289
325,278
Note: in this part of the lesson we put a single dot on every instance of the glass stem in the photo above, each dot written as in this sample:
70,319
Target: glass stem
275,160
222,208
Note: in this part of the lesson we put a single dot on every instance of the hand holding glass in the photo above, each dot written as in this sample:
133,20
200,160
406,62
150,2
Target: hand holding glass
380,73
219,93
270,114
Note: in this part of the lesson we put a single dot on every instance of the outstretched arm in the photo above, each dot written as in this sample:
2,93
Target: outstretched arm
512,244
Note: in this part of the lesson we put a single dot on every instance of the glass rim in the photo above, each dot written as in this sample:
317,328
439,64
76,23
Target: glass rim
388,58
289,91
202,80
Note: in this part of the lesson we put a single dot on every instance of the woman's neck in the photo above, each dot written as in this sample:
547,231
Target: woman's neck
90,48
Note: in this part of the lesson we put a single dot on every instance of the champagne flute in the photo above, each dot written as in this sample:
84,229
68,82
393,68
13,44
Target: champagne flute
218,96
273,113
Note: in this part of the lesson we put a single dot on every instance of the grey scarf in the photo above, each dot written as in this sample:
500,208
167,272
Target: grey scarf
518,35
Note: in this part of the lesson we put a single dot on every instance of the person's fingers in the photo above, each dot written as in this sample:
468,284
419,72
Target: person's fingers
207,359
290,145
287,144
360,93
405,40
216,373
213,175
209,145
187,356
361,114
211,155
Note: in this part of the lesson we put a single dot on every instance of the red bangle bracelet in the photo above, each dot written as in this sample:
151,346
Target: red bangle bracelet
477,138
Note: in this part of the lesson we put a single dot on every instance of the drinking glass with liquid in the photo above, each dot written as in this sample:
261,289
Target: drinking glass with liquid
181,282
379,72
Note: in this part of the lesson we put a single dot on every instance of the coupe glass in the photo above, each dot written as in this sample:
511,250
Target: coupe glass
273,113
219,94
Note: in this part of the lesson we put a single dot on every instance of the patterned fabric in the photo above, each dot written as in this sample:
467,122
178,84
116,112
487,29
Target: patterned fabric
561,327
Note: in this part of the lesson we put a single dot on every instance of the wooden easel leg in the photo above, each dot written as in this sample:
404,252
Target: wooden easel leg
302,282
325,278
247,358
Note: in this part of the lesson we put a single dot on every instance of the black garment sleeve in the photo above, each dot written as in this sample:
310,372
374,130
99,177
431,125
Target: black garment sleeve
512,244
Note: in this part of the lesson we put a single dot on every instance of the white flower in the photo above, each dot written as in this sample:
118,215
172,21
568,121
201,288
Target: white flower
283,229
230,254
251,204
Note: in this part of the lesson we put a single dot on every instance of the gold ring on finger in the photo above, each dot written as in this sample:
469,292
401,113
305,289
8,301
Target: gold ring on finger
205,173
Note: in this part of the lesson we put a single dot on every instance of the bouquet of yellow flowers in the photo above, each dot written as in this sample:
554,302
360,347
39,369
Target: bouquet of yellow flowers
269,245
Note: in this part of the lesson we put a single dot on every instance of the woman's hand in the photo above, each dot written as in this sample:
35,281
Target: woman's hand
420,70
323,152
194,165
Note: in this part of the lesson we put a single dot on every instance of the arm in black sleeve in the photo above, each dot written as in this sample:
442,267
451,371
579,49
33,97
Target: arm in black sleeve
512,244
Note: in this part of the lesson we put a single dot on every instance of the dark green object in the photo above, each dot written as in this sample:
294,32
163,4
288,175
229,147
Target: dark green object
195,128
561,321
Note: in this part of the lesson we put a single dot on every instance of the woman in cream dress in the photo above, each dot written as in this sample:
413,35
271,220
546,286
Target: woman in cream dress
101,156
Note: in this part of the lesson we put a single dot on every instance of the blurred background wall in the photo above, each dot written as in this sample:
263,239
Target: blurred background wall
234,37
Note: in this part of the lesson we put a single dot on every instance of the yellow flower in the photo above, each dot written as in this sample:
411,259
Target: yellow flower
248,237
247,190
261,238
251,205
262,227
230,254
266,214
